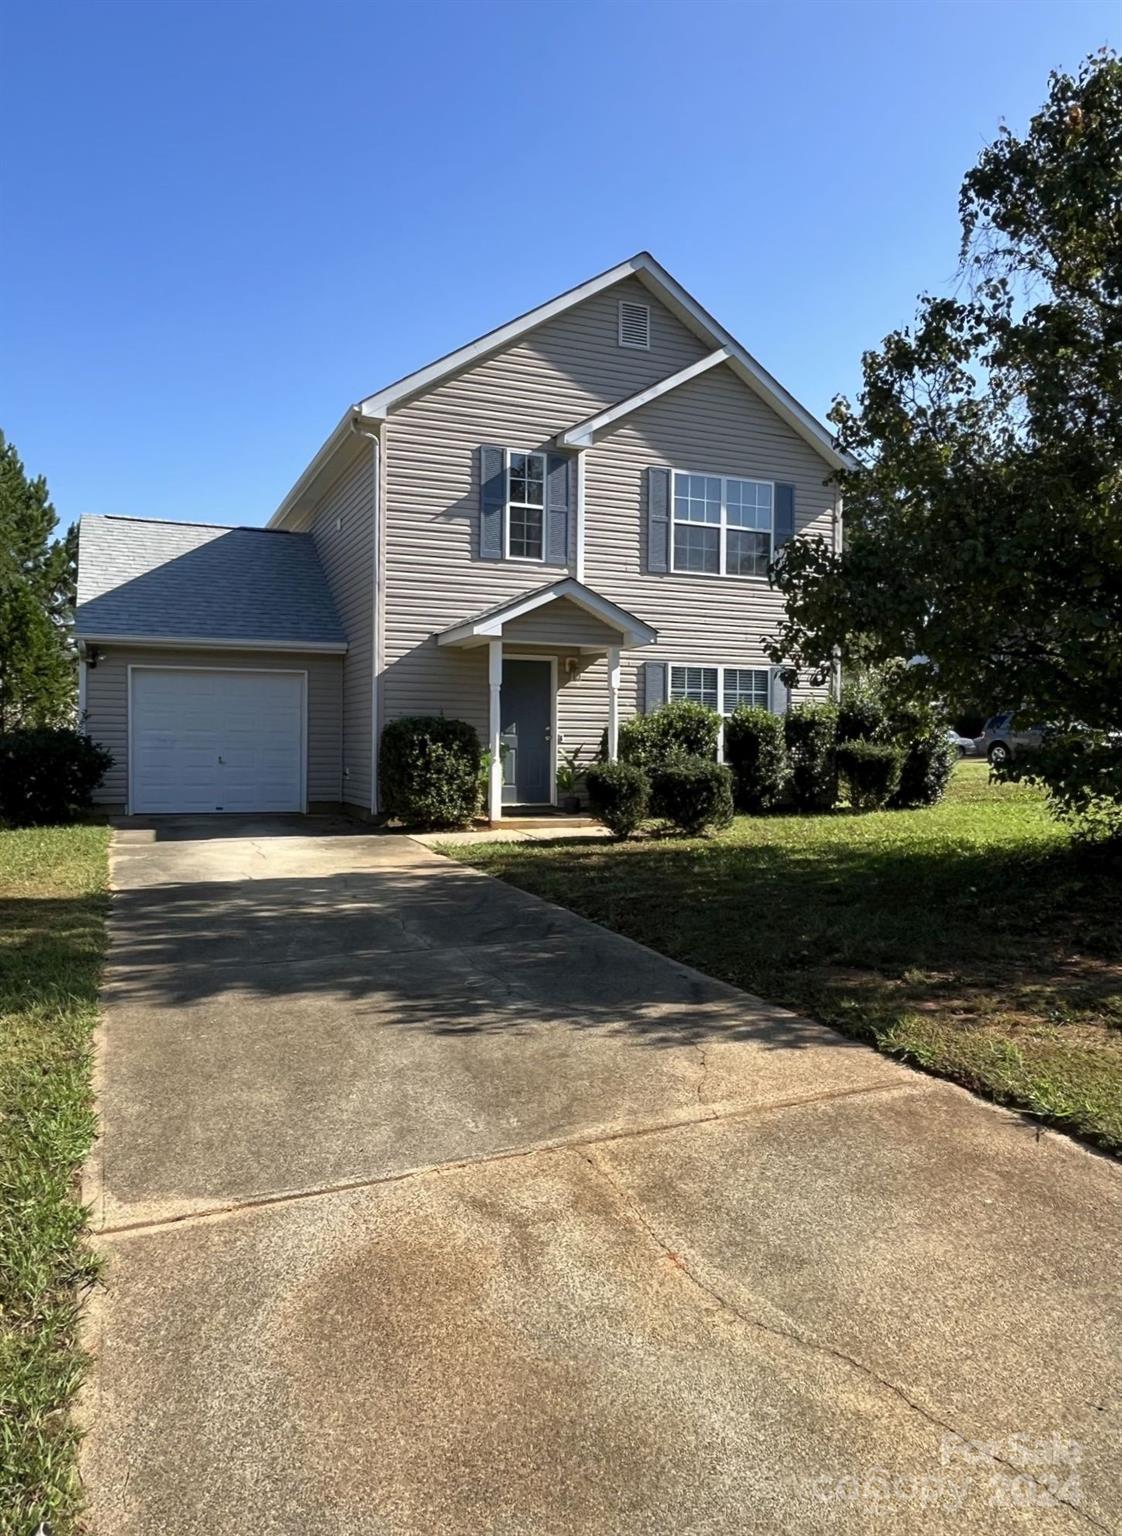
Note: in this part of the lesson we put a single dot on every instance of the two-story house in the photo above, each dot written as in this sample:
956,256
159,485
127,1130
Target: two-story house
559,524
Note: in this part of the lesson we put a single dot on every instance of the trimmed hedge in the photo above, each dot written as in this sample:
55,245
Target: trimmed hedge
810,731
48,776
925,772
692,793
861,714
429,770
756,752
619,794
871,770
678,729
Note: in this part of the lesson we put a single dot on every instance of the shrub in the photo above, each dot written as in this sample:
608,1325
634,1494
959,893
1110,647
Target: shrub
693,793
871,770
678,729
926,770
429,770
619,794
756,752
810,731
861,713
48,776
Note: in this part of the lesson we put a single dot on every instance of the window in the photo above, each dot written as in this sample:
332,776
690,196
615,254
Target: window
722,527
699,684
525,508
722,688
748,686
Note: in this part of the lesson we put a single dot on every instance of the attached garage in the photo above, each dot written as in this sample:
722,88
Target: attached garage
216,739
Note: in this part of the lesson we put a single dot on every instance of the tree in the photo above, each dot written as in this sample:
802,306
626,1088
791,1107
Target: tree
37,581
984,499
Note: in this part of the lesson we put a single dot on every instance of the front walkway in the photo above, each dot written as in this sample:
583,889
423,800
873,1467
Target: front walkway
430,1207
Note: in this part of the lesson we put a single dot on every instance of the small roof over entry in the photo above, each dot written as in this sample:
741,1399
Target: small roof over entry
565,613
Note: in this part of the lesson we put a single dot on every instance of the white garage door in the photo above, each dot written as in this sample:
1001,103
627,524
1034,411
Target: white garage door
216,741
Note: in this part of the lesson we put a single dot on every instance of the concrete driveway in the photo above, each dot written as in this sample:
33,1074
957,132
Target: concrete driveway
429,1207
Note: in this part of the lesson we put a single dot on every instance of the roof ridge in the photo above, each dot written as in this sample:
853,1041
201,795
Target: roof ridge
176,522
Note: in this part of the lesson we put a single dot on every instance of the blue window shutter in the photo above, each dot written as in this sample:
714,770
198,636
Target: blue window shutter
654,685
658,519
558,508
784,516
492,501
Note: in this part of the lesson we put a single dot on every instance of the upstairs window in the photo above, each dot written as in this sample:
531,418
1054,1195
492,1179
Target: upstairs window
722,526
525,506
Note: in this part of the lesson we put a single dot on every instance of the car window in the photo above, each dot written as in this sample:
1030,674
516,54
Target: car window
998,722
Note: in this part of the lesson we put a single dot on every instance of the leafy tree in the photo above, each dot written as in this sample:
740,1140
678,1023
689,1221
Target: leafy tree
984,501
37,583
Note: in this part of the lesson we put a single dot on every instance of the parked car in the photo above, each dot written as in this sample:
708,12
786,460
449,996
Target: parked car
1000,742
965,746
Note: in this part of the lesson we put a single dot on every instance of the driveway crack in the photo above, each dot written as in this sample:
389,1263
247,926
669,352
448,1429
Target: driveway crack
721,1303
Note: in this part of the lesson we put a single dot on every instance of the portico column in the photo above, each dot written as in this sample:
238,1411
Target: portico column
613,703
495,679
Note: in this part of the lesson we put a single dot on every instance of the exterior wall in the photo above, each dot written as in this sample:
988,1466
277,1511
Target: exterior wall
564,371
561,372
717,425
343,528
107,693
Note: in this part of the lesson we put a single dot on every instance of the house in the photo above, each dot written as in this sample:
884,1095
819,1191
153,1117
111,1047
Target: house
559,524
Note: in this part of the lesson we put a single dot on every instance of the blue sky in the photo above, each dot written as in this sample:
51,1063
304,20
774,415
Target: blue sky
225,222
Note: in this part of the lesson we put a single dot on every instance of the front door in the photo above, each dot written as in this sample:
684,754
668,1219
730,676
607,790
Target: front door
527,713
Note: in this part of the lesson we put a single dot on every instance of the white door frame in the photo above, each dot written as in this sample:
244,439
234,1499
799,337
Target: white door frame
155,666
552,660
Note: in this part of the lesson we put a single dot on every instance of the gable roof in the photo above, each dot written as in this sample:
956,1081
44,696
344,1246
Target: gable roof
140,579
375,408
488,625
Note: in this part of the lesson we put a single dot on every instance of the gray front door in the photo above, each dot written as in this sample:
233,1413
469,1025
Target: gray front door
527,713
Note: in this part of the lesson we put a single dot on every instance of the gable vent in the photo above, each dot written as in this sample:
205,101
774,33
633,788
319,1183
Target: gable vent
634,324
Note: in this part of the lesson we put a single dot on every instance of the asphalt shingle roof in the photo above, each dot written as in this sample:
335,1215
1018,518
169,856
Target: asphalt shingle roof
140,577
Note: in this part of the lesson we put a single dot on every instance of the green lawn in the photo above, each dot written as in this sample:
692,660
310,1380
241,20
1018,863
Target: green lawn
52,925
972,939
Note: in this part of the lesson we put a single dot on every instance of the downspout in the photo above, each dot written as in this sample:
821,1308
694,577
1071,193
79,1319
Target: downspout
81,722
580,513
375,597
837,665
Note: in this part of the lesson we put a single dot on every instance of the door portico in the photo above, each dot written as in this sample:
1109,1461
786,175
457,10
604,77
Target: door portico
532,629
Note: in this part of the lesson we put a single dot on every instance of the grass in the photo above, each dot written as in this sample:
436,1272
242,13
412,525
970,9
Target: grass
973,939
52,920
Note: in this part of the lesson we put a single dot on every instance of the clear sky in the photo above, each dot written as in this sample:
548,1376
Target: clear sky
224,222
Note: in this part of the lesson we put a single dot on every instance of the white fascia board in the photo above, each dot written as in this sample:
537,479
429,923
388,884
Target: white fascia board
633,632
581,435
288,513
210,643
377,405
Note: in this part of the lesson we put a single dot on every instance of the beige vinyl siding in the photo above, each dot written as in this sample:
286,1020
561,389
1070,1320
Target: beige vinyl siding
346,553
562,622
560,373
107,706
715,425
564,371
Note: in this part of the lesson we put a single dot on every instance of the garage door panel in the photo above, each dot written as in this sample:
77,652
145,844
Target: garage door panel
216,740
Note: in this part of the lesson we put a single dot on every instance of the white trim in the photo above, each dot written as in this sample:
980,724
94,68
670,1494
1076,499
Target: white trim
552,660
658,281
633,632
82,686
634,346
154,666
495,730
379,404
349,423
723,526
578,472
209,643
527,506
721,668
582,434
613,704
